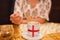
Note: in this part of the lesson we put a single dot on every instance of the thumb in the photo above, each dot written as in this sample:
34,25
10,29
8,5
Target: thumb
18,13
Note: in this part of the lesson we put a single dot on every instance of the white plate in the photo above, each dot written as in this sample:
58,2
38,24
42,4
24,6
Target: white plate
26,36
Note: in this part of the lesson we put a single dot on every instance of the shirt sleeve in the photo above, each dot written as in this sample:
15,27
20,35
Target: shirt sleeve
45,10
17,7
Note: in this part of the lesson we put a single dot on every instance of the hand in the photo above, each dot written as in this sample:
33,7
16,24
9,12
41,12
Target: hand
40,20
15,18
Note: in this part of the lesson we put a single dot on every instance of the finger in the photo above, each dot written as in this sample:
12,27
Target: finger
14,15
17,14
11,15
16,22
15,18
25,21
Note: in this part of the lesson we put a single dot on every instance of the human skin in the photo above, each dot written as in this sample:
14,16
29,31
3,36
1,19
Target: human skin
16,19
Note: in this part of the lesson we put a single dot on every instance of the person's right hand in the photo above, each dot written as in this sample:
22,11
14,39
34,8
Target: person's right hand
15,18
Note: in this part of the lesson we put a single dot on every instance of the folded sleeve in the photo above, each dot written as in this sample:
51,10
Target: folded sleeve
17,7
45,10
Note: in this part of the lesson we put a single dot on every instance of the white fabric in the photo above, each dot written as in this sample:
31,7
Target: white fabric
46,28
42,8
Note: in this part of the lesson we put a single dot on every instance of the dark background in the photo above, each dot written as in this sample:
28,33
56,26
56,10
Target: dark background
55,11
7,7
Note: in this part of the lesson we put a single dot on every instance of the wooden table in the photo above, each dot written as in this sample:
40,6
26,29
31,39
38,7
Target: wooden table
51,31
54,35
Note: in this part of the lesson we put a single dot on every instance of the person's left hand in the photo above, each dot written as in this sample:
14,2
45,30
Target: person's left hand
40,20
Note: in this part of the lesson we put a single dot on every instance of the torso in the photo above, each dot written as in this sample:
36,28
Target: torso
35,9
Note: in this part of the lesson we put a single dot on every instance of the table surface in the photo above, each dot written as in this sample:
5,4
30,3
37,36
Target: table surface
54,35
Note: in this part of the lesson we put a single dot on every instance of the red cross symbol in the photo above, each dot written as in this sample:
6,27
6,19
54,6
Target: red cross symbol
33,30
